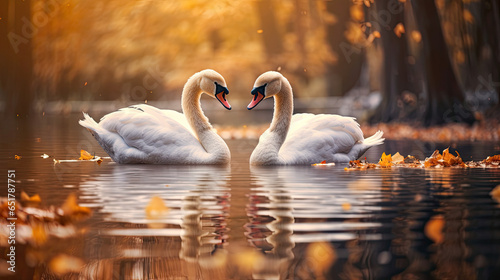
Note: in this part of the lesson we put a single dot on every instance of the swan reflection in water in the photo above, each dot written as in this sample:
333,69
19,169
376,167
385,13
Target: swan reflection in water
125,242
292,207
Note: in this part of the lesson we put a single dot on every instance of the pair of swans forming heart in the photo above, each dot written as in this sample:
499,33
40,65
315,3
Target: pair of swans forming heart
145,134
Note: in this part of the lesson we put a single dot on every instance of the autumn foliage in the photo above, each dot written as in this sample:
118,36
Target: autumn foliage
436,160
446,159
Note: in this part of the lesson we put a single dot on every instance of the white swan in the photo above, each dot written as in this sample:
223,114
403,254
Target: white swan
145,134
304,138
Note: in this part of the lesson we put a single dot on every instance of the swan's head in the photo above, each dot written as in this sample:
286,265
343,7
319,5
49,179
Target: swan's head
266,86
214,85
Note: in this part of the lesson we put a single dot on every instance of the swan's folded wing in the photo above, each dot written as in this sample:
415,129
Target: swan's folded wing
320,136
143,132
160,114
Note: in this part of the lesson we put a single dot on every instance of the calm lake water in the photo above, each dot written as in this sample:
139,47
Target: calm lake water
242,222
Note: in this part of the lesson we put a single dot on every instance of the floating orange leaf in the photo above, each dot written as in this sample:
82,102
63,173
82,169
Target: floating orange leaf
323,164
357,164
84,155
385,160
398,158
26,197
434,229
445,160
493,159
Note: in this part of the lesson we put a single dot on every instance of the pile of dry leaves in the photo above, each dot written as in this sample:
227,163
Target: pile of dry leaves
436,160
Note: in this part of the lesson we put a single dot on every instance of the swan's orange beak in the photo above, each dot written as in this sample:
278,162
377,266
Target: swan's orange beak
258,95
220,94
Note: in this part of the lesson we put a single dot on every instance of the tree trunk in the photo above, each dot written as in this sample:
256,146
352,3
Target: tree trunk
16,31
445,98
271,36
395,67
342,75
493,22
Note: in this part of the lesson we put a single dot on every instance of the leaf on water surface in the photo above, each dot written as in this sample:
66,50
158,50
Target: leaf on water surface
323,163
437,160
25,197
446,159
434,229
84,155
62,264
385,160
493,159
397,158
358,165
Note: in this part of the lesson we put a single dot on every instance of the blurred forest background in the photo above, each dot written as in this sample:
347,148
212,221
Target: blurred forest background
423,61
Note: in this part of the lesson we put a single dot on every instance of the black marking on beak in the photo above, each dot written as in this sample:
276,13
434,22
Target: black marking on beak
255,92
222,99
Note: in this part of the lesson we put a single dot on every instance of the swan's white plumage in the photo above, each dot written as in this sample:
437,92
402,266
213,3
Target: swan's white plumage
310,138
145,134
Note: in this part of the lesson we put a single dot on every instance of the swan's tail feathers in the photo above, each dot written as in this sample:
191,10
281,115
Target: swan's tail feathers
375,139
89,123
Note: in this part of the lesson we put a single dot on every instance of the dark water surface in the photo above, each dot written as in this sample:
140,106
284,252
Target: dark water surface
242,222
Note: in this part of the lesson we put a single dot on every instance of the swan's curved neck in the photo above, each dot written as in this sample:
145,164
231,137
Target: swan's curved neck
191,106
283,110
213,144
267,151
